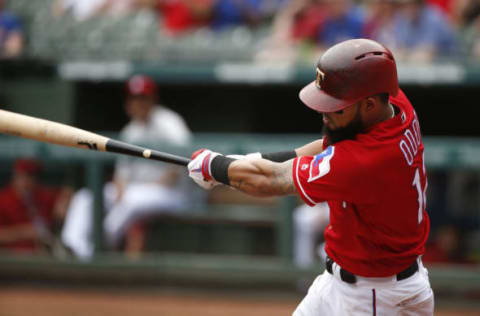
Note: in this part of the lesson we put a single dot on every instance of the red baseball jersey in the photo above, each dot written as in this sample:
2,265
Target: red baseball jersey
375,187
14,211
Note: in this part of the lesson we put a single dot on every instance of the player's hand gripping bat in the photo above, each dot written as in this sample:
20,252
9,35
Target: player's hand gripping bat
65,135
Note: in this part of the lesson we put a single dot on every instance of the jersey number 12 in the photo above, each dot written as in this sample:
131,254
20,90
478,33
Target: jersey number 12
422,194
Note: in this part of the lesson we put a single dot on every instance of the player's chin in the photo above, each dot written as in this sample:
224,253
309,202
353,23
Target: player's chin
333,127
328,128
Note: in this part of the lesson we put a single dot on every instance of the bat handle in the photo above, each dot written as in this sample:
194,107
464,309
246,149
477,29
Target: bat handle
182,161
133,150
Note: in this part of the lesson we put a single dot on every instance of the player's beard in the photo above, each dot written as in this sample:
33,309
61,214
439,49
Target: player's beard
348,132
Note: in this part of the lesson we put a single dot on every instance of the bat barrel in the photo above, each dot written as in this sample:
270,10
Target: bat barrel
61,134
51,132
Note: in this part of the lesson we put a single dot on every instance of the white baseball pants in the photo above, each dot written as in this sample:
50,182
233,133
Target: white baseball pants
139,201
329,295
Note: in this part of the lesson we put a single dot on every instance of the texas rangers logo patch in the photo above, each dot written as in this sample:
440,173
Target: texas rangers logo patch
320,165
319,79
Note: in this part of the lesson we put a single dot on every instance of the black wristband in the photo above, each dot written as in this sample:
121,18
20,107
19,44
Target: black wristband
280,156
219,168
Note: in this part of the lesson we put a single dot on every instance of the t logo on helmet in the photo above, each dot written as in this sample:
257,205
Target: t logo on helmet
319,79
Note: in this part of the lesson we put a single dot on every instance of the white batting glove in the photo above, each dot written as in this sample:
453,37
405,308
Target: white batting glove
199,168
251,156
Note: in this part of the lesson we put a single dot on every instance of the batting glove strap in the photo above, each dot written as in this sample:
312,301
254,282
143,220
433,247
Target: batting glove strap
219,168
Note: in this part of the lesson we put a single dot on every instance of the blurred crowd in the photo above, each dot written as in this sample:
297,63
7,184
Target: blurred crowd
415,30
179,16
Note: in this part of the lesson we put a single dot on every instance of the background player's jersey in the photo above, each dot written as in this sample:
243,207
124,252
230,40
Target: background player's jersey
375,186
164,127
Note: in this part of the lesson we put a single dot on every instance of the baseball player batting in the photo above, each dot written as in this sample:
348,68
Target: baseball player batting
369,167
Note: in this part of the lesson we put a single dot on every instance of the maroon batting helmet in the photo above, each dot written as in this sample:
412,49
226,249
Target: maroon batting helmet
349,72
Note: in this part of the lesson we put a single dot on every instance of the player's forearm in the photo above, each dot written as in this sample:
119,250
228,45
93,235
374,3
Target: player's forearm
257,177
120,184
17,233
261,177
250,177
310,149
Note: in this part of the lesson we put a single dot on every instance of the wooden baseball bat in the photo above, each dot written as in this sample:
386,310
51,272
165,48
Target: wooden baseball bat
65,135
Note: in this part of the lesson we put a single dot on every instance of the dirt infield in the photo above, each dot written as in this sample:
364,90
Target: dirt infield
80,302
27,302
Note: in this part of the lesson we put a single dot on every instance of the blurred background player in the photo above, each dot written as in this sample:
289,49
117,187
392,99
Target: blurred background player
309,224
139,188
30,212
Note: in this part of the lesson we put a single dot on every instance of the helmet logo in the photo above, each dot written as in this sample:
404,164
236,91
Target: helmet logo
319,79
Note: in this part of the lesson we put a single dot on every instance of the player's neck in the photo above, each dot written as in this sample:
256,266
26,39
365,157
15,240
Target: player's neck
384,113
